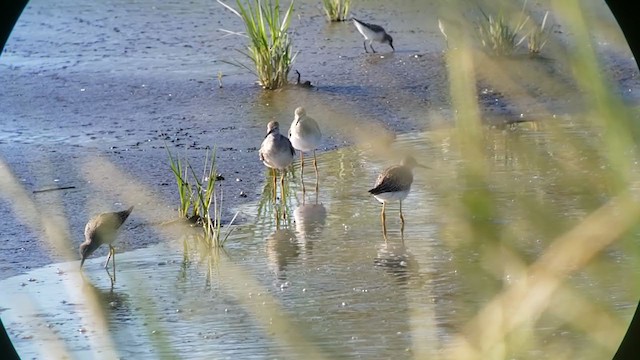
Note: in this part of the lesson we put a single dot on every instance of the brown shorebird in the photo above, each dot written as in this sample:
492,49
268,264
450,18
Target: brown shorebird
103,229
276,152
305,135
394,183
373,33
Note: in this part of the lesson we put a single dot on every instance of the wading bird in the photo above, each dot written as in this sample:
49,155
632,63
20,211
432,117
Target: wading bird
373,33
103,229
276,152
305,135
394,183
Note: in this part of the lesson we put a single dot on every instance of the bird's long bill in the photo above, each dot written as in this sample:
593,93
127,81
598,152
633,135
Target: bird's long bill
82,262
422,166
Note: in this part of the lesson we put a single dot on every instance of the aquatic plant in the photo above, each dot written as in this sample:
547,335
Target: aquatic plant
538,36
199,195
270,48
496,34
184,191
336,10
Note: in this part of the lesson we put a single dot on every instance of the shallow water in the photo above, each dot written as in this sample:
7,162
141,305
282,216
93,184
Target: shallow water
325,282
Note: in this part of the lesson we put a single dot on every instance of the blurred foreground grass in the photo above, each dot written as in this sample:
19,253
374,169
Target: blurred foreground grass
522,287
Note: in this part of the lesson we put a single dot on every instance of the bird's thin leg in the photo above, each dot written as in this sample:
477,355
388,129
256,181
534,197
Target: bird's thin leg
401,217
112,256
365,46
384,222
371,45
113,260
106,263
275,185
302,172
315,166
283,200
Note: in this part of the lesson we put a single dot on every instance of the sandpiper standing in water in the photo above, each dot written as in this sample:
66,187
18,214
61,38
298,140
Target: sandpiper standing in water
103,229
305,135
276,152
394,183
373,33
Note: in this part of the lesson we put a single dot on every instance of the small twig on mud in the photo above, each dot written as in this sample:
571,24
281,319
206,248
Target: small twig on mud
54,189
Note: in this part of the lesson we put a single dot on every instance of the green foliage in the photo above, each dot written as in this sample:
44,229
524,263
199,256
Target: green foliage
538,36
336,10
184,190
270,48
496,34
200,196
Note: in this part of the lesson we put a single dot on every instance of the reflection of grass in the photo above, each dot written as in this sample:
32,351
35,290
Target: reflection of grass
268,207
199,246
199,195
270,48
336,10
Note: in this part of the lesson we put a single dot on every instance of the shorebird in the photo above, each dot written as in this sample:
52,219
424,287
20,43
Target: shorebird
103,229
305,135
373,33
394,183
277,153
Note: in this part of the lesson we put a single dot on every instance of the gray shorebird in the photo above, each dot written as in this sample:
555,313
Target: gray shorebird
277,153
394,183
373,33
103,229
305,135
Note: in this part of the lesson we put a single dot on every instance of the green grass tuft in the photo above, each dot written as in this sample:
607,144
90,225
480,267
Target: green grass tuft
538,36
184,190
270,48
200,197
336,10
497,36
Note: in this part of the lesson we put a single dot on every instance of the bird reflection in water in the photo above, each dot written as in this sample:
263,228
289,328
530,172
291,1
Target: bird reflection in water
116,304
309,221
395,260
282,250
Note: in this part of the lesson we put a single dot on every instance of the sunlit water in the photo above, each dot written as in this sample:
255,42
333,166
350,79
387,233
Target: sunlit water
324,280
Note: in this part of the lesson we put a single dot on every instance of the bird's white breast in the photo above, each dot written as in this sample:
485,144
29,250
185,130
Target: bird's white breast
304,143
392,196
274,156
